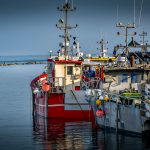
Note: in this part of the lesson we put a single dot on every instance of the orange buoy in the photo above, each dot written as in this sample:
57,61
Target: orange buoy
100,113
45,87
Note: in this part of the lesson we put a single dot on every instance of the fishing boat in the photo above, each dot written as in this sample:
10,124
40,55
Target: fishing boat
59,92
121,103
103,58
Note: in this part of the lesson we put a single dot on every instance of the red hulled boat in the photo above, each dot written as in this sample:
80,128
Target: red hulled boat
59,92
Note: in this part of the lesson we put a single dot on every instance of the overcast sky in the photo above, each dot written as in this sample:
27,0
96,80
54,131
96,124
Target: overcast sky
28,26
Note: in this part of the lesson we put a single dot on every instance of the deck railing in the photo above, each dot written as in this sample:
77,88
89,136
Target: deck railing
57,84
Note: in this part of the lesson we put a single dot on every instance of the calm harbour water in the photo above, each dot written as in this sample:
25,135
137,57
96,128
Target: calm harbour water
18,130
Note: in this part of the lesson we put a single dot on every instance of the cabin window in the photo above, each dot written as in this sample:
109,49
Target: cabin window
50,66
124,78
134,78
69,70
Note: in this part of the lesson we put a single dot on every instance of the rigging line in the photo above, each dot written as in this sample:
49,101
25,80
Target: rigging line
117,13
140,12
62,13
78,103
134,13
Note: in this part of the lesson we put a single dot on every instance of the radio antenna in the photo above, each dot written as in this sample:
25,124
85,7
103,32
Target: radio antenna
140,12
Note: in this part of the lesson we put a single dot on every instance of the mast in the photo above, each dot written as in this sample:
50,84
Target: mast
126,34
63,25
143,35
144,45
102,47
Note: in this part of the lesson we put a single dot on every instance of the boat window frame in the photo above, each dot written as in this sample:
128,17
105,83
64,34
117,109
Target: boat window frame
70,71
50,67
134,77
124,78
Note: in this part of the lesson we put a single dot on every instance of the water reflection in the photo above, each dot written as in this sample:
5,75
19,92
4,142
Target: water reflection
64,134
16,131
57,134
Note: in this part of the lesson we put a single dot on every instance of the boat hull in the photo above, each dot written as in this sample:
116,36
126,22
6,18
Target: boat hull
62,105
130,118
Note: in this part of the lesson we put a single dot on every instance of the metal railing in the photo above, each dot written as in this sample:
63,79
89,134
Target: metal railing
57,84
94,83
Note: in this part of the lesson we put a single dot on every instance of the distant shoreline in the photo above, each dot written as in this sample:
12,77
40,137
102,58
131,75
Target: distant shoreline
21,63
